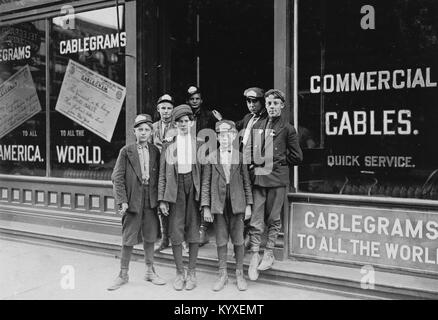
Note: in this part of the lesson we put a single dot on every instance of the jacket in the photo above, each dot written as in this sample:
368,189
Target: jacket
168,176
214,186
127,178
285,149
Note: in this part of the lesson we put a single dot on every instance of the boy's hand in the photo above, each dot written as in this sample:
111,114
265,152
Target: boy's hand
164,208
248,212
217,115
207,215
123,208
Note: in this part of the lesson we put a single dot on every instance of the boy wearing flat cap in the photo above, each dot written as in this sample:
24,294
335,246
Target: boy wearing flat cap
226,199
179,189
163,130
279,144
255,102
135,184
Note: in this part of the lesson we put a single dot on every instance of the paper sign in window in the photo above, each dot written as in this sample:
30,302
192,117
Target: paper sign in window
18,100
90,99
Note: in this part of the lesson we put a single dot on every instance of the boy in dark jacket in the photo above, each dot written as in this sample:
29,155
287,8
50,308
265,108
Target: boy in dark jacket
226,199
135,180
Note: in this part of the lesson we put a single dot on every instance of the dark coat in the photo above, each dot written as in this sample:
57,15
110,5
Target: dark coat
214,186
204,119
168,177
127,179
286,152
242,124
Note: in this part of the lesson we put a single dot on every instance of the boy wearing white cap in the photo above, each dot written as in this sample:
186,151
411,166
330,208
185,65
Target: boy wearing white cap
163,130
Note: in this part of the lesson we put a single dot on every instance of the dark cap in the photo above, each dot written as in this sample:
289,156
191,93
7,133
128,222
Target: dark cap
225,126
192,90
278,94
254,93
180,111
143,118
165,98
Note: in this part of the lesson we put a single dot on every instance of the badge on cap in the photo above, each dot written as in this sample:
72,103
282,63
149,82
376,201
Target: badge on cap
251,93
192,90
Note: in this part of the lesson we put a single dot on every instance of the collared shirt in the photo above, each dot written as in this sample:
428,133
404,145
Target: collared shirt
225,159
184,153
143,154
248,128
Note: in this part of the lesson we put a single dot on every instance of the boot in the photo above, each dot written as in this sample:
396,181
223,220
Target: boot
180,281
241,282
191,279
153,277
122,279
267,261
253,273
221,281
203,235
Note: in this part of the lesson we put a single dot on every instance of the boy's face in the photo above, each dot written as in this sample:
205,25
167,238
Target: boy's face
195,100
165,111
254,105
226,138
142,132
183,125
274,106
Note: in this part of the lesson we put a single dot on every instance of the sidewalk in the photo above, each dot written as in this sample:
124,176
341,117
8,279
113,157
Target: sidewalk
31,271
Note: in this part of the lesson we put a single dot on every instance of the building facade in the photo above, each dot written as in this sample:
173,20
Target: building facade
361,84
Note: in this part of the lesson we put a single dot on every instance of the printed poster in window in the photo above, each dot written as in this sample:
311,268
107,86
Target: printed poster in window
18,100
90,99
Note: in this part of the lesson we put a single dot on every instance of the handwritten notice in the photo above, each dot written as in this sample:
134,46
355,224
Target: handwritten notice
90,99
18,100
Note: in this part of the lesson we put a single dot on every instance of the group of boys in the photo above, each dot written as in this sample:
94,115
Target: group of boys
239,186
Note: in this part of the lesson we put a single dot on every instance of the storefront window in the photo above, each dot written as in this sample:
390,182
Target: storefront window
87,108
22,99
367,81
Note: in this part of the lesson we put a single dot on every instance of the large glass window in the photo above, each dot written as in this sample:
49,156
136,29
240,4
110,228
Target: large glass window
87,109
22,99
368,96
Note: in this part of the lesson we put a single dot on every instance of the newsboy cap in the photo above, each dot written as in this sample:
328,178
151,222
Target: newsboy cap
278,94
165,98
180,111
254,93
143,118
225,126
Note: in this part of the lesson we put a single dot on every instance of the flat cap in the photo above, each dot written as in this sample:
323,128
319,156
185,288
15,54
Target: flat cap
225,126
180,111
278,94
165,98
143,118
254,93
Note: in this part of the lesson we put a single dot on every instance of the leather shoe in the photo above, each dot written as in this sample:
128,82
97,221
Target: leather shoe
241,282
179,282
153,277
253,273
221,281
191,280
121,279
267,261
